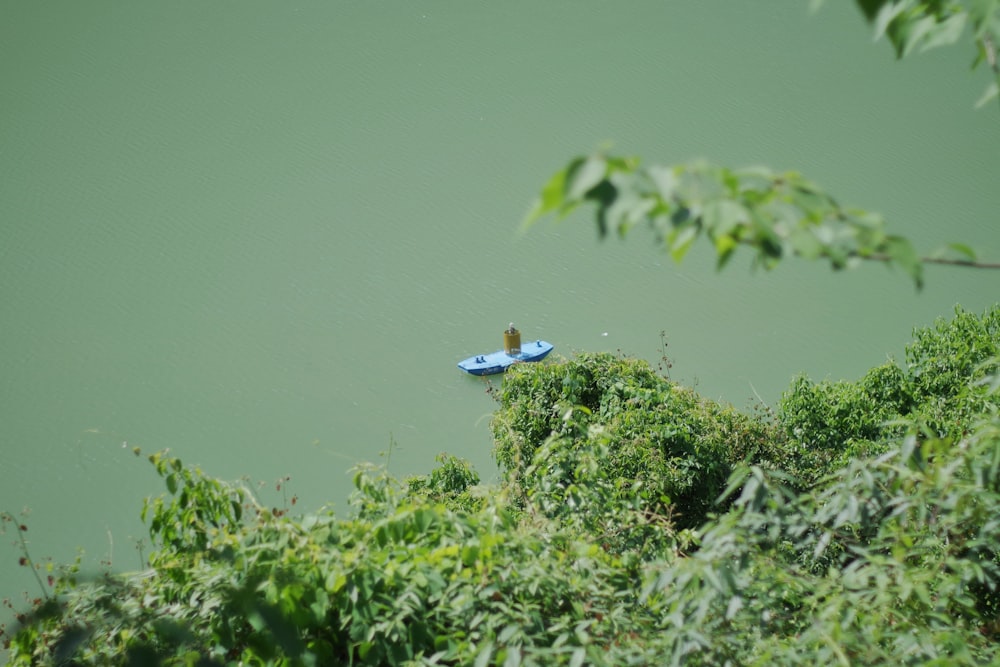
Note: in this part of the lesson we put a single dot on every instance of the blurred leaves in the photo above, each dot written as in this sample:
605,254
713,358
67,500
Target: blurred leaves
773,214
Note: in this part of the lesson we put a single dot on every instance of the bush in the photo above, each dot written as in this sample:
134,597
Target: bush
827,424
942,390
600,547
662,442
406,583
453,482
947,364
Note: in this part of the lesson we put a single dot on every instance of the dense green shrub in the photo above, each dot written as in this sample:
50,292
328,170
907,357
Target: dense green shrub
892,563
452,482
582,555
408,583
947,364
828,424
663,439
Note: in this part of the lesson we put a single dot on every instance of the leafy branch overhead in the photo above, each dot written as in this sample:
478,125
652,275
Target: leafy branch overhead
910,25
777,214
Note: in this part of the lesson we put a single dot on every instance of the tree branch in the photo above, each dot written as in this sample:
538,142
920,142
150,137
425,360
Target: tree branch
968,263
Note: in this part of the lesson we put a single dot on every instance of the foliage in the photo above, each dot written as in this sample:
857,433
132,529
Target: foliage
657,443
605,543
830,423
894,562
776,214
949,365
580,556
926,24
453,482
409,583
942,389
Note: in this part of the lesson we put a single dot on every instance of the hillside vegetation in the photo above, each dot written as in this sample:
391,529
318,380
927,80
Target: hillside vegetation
636,523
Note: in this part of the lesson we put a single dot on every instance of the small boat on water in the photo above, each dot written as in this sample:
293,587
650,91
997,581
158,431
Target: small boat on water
513,352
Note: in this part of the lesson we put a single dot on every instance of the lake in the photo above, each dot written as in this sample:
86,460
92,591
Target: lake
262,234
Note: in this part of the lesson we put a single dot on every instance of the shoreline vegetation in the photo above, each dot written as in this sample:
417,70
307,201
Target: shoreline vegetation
636,522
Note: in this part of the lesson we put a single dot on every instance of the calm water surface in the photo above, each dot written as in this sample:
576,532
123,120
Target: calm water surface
262,234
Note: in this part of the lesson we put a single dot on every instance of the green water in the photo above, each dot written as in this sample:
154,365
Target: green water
262,234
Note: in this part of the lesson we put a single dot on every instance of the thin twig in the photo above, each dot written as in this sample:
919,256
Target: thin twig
28,562
968,263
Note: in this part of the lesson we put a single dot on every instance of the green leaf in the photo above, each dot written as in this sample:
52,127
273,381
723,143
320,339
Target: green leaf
900,251
665,180
509,631
484,656
626,213
605,194
734,606
946,32
725,245
916,31
680,240
551,198
513,658
870,8
991,91
723,215
552,193
805,244
886,14
963,250
584,176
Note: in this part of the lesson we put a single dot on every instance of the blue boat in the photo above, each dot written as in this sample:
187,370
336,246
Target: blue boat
513,352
